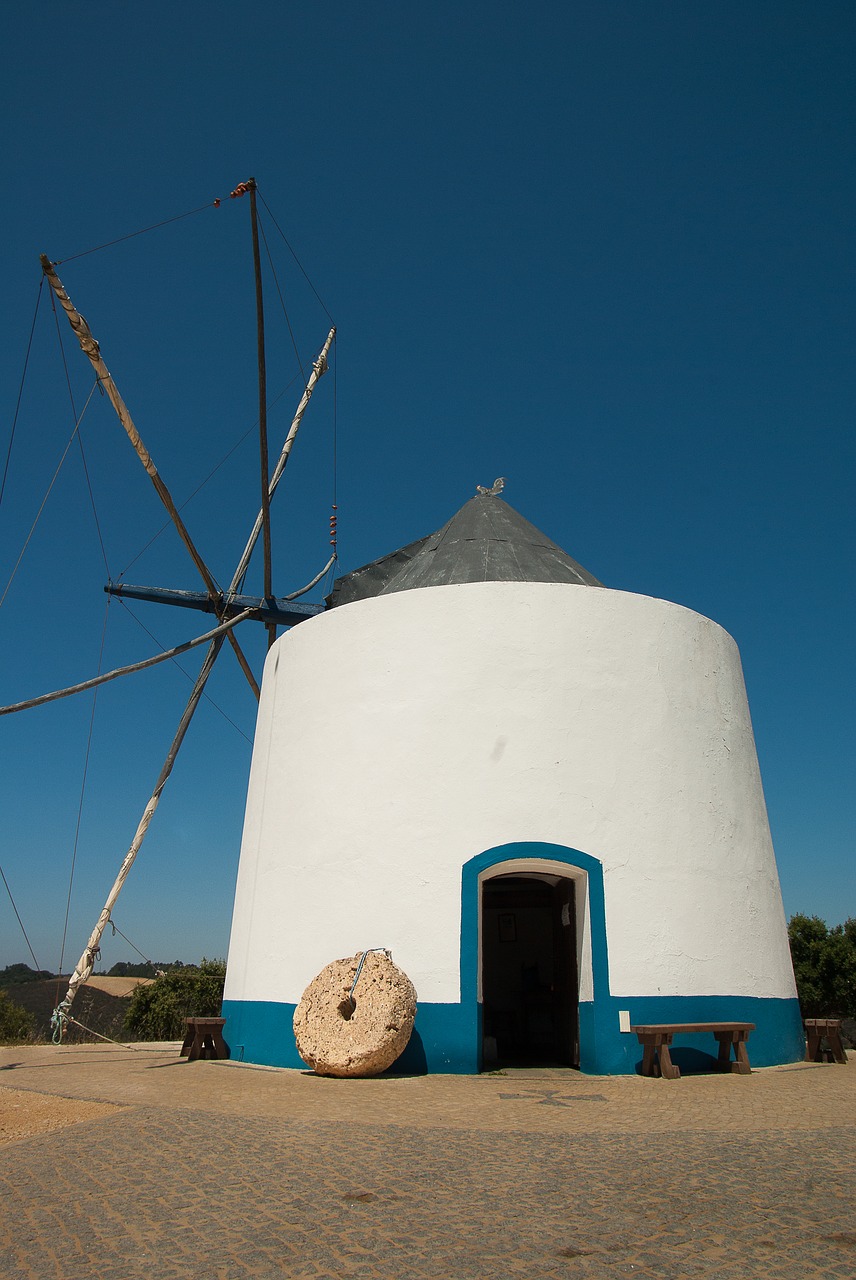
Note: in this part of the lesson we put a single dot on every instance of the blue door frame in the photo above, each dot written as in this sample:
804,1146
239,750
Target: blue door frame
492,860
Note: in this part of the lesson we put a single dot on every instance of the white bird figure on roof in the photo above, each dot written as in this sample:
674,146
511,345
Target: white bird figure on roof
497,487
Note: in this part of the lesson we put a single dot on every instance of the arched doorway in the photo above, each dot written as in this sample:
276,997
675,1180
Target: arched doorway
529,977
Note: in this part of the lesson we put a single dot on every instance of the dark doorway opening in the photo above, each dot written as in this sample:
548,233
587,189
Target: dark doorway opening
529,971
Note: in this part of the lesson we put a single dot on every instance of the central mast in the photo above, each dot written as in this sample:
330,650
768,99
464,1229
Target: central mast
263,440
216,600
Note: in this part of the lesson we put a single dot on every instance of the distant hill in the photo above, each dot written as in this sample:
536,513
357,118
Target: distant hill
23,973
101,1004
15,973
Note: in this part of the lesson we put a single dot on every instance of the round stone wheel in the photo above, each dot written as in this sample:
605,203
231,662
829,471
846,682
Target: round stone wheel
340,1036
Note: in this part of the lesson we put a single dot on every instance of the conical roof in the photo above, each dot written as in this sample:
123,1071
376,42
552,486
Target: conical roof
487,541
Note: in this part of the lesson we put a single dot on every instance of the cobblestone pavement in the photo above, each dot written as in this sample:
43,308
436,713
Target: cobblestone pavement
232,1173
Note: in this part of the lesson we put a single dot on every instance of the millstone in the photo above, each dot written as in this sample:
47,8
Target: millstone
362,1036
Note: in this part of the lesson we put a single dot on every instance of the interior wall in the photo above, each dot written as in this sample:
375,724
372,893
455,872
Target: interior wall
529,970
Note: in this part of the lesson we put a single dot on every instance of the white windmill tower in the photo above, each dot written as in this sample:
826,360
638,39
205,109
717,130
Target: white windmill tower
541,794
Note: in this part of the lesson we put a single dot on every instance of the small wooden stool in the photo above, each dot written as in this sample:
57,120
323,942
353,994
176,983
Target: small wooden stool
204,1039
818,1029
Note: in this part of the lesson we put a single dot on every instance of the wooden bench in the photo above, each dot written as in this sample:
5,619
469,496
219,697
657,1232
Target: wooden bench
819,1029
656,1039
204,1039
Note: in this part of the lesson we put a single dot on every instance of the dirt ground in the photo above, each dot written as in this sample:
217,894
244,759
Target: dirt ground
26,1115
240,1172
117,986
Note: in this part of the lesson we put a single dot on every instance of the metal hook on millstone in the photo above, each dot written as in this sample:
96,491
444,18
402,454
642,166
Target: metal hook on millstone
349,1004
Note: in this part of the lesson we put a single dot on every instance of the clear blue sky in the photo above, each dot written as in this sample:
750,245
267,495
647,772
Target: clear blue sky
603,249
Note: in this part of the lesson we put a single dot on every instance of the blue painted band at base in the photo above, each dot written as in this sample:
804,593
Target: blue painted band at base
447,1037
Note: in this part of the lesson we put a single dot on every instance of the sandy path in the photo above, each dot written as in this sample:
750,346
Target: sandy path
26,1115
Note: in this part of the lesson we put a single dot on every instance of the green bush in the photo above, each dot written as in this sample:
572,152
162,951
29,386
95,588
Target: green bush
824,962
15,1023
157,1011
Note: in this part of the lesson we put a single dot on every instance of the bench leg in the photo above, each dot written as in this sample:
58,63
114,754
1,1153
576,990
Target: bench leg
812,1050
221,1049
667,1068
741,1065
723,1061
649,1060
656,1058
741,1053
835,1044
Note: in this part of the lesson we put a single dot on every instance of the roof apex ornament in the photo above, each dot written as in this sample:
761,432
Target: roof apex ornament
497,487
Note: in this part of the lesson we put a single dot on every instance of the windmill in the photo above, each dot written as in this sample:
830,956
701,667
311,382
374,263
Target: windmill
229,605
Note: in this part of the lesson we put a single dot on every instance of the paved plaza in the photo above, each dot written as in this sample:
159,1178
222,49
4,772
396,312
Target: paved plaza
122,1164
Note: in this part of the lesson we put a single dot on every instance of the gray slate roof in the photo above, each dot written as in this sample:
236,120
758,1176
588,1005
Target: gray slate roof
487,541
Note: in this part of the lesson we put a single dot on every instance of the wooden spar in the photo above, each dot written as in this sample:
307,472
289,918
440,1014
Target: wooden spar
86,963
91,349
96,681
263,437
280,610
319,368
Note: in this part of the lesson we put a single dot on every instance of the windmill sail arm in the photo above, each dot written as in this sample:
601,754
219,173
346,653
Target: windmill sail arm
319,368
133,667
92,350
276,610
90,347
86,963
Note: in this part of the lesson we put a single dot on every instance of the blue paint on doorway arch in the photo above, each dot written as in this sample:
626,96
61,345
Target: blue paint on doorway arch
594,1033
604,1048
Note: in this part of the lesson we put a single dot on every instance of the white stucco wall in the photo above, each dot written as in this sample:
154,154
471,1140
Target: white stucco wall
398,737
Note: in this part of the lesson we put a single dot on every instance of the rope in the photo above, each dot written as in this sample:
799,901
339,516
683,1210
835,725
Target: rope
212,204
186,674
294,256
20,921
21,390
79,437
116,930
60,1019
82,791
47,494
282,301
62,354
334,516
168,523
96,681
92,504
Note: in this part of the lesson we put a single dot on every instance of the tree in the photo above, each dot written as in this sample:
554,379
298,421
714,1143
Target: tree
23,973
824,963
130,969
157,1011
15,1023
